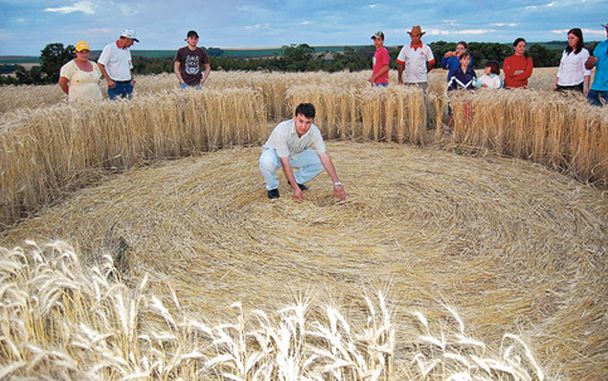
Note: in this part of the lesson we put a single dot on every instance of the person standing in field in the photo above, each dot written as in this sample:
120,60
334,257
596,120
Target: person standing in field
490,78
416,59
297,143
599,89
115,63
518,67
464,77
572,74
380,62
80,77
188,63
451,59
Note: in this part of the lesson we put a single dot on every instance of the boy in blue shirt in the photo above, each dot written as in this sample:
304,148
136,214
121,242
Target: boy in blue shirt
599,89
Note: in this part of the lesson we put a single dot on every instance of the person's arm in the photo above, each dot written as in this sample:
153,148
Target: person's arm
176,70
331,171
430,65
383,70
507,68
586,83
526,72
400,69
430,62
590,62
298,195
206,73
63,83
109,80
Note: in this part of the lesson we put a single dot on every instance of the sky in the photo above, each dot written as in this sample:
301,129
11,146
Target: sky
27,26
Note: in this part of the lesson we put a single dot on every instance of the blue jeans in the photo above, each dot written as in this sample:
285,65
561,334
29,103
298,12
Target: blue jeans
307,161
383,84
595,97
123,90
184,86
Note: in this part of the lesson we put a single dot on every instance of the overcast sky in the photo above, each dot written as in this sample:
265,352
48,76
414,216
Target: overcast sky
27,26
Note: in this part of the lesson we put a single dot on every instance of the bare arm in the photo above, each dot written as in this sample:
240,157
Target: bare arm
176,67
380,73
331,171
63,83
109,80
400,68
586,83
298,195
206,73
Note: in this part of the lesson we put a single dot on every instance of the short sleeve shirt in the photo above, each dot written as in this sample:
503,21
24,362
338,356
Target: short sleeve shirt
600,82
284,139
381,59
83,85
117,62
415,60
191,62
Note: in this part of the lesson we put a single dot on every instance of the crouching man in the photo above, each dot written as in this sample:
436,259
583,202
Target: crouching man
297,143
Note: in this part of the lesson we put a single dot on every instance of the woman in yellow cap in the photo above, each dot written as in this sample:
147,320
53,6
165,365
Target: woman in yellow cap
80,77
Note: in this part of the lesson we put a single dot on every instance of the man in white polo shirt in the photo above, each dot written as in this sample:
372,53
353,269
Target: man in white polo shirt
297,143
416,59
115,64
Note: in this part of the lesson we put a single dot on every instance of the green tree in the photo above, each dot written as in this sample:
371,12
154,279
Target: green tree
52,58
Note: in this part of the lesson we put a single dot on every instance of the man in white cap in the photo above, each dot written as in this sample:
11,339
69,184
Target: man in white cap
115,64
188,62
598,95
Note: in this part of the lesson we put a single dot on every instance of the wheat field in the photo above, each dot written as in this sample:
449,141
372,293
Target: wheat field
452,259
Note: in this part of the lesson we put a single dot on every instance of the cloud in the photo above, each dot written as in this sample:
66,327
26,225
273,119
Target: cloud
501,24
307,22
85,7
443,32
20,20
373,5
128,10
258,26
585,31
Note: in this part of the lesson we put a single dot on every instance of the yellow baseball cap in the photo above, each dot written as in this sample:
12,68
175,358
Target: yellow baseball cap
82,45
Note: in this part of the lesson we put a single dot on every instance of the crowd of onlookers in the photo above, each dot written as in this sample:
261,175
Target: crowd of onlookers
80,77
574,74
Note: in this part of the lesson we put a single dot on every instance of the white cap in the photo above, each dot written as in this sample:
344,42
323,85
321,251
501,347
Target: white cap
129,33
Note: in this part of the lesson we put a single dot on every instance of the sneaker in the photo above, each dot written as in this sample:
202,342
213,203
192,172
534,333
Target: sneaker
302,187
273,193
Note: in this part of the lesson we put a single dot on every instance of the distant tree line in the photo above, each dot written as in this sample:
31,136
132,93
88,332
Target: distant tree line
294,58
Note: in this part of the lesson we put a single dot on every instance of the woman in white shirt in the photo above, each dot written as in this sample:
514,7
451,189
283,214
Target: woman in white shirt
572,74
80,77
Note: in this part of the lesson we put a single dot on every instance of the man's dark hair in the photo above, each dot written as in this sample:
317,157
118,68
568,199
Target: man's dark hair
306,109
463,43
494,66
580,44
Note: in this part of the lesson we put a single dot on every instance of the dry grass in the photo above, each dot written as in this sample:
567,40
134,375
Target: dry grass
513,246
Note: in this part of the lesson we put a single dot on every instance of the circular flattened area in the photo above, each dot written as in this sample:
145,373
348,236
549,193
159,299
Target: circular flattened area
512,245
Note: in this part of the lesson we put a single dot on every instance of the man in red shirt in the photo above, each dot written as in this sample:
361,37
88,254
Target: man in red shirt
380,62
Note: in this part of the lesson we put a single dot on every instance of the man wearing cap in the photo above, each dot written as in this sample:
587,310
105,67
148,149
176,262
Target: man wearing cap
188,61
380,62
115,64
599,59
416,59
297,143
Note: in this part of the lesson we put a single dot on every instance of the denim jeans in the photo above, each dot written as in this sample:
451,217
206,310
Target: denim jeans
307,161
595,97
383,84
185,86
123,90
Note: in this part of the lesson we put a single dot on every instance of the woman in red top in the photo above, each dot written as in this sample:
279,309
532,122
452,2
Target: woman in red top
518,67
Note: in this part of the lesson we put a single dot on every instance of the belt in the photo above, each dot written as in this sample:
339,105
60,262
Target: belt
129,81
